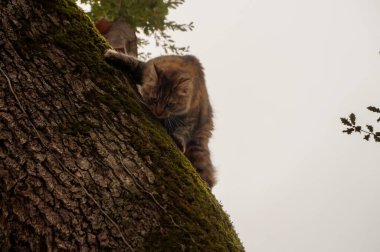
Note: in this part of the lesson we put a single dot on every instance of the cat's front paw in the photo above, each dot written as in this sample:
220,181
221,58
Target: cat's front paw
180,143
110,54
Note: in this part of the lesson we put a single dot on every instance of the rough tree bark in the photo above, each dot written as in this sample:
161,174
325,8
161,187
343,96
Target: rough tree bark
83,166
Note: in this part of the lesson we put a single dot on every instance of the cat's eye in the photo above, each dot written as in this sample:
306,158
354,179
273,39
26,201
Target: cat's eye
170,105
153,100
183,80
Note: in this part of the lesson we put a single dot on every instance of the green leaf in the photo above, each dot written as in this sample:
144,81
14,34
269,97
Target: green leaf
373,109
345,121
352,118
370,128
348,131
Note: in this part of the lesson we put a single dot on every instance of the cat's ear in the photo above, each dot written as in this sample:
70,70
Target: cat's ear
139,88
156,69
184,84
151,74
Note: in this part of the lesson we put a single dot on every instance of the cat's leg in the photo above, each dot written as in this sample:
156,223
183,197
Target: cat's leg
181,136
182,133
121,60
198,153
195,147
125,63
199,156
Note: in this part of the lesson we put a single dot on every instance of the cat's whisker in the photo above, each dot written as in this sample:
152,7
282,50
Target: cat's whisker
141,100
171,126
174,121
177,121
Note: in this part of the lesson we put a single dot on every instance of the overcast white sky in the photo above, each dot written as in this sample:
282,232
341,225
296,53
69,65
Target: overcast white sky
280,74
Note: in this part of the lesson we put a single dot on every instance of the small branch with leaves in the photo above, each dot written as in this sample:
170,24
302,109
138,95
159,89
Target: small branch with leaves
350,122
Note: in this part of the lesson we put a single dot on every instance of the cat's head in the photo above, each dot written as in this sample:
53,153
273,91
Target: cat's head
166,90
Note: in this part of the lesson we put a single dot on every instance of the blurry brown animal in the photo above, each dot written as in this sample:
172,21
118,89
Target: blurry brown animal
120,35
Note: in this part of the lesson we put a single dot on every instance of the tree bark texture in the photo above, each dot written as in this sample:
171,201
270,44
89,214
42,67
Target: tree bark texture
84,166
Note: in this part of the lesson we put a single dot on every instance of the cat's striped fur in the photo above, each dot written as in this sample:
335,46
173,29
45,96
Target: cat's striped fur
173,88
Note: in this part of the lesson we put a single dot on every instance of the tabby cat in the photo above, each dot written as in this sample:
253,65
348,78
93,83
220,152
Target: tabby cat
173,88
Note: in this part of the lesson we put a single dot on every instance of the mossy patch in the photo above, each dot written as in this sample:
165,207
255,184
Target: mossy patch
196,221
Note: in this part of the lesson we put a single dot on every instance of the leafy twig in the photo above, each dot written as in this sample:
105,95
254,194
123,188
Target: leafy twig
350,122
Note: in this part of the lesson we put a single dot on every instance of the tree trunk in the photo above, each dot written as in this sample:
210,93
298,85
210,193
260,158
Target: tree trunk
83,166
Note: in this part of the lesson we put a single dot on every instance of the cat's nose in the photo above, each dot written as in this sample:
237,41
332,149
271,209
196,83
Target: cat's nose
160,112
